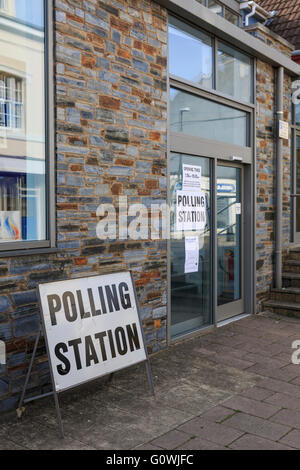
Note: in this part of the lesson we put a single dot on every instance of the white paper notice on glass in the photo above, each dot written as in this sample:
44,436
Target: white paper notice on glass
191,255
191,177
190,210
238,208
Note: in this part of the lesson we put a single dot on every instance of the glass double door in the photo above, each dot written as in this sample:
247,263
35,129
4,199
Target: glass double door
206,262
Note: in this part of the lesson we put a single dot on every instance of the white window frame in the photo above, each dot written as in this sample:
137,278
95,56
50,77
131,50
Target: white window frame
8,98
4,5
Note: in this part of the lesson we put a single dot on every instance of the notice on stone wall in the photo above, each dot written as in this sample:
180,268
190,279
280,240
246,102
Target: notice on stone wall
190,210
92,327
283,130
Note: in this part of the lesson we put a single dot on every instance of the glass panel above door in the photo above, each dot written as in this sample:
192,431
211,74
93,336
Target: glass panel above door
190,53
201,117
191,260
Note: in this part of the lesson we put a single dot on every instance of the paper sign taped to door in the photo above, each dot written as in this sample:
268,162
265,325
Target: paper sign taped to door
191,264
190,210
191,177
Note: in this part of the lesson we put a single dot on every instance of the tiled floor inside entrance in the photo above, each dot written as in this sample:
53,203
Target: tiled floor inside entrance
234,388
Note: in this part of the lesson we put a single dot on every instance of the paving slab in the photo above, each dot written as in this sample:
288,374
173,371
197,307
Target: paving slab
250,442
292,439
217,414
234,388
200,444
214,432
280,386
252,407
283,400
257,393
257,426
171,440
289,417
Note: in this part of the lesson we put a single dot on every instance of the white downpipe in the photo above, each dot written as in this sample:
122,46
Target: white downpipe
252,13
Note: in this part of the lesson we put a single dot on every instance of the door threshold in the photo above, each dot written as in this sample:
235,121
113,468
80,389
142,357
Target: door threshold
232,319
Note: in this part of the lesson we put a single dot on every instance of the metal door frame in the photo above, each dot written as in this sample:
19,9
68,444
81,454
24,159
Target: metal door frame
231,309
248,228
214,150
294,195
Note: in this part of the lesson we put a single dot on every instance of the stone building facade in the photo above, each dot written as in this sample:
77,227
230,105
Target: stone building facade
111,132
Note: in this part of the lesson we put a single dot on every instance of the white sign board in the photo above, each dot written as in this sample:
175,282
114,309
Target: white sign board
190,210
238,208
92,327
283,130
191,177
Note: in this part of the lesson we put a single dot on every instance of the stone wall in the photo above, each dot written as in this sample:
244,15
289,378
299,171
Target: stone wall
111,106
266,176
270,38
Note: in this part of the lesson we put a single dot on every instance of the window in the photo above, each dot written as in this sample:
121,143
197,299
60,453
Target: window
201,117
11,102
190,53
221,10
4,5
297,114
215,7
232,17
192,59
23,153
234,73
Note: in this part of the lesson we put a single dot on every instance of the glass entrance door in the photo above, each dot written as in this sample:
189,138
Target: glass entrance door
190,244
229,242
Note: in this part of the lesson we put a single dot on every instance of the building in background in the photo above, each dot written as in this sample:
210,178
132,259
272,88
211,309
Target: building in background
285,21
142,88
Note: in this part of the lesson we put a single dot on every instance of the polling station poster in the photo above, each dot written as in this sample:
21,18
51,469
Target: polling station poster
92,327
190,210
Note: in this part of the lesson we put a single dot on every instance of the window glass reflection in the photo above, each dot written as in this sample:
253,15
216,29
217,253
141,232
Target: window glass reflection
30,12
231,17
215,7
200,117
22,121
229,233
234,72
297,114
190,53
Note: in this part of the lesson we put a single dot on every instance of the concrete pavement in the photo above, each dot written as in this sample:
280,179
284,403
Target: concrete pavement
234,388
